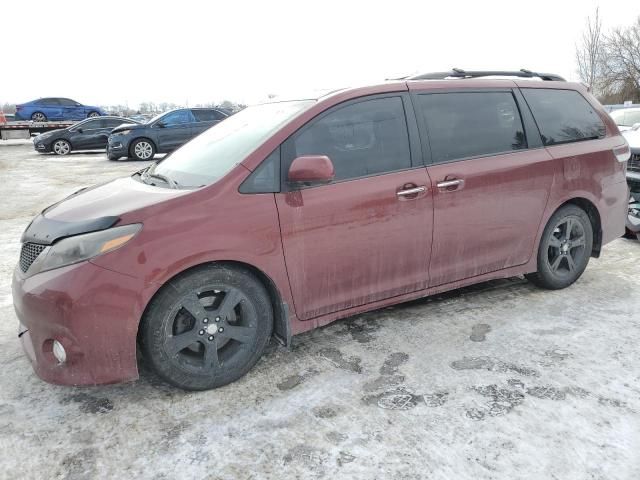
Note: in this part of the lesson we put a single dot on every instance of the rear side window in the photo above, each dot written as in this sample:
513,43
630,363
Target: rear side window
563,116
471,124
116,122
67,102
207,115
361,139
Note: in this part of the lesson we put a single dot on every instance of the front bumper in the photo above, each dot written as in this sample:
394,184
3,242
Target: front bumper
40,146
93,312
117,147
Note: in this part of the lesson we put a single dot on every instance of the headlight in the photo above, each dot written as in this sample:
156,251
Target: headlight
122,132
83,247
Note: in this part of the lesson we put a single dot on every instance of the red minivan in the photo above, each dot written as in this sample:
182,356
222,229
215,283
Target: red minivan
290,215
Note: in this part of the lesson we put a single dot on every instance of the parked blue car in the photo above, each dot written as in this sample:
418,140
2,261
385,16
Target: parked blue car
55,108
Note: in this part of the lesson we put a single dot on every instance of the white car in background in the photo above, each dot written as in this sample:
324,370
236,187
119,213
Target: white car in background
626,118
632,135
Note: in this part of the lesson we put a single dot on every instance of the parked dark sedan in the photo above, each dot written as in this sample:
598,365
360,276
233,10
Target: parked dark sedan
90,134
162,134
51,108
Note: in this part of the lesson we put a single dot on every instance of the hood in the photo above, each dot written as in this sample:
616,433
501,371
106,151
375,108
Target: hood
110,199
94,208
129,126
50,133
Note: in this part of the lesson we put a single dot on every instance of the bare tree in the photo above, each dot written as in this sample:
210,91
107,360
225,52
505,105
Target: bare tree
589,52
621,62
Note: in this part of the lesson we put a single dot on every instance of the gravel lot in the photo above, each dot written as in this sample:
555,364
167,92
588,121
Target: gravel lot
501,380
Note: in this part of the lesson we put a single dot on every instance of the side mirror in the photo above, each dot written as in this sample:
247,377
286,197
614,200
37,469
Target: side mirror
636,126
160,124
79,130
311,169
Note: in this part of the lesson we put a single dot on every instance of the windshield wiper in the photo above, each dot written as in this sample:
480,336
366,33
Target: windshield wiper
144,175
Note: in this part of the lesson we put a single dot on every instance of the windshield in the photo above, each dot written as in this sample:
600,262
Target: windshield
212,154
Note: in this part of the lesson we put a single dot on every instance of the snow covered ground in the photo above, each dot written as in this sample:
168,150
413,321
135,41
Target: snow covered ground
501,380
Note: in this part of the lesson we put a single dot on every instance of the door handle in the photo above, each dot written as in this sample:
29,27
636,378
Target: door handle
411,191
450,183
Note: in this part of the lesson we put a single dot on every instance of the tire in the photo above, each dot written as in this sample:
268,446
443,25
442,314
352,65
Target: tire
142,149
207,328
38,117
61,147
93,114
562,259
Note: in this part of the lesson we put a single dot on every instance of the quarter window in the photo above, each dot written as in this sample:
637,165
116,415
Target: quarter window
563,116
470,124
366,138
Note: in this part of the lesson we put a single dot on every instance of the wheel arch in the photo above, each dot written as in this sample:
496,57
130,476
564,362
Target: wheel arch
281,325
594,216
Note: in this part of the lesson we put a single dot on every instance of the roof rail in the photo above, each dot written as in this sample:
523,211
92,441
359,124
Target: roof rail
459,73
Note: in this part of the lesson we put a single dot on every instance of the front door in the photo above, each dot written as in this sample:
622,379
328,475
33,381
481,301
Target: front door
367,235
94,135
490,182
176,130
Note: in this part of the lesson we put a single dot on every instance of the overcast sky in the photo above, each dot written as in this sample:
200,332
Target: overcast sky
200,51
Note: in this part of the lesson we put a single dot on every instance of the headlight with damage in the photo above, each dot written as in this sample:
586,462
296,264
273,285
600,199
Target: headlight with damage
83,247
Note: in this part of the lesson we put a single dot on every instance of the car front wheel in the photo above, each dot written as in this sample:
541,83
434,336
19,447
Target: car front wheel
142,149
93,114
564,250
207,328
61,147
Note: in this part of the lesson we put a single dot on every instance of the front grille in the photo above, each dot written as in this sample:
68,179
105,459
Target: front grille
29,253
634,162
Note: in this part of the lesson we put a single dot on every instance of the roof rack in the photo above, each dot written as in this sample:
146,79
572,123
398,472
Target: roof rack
459,73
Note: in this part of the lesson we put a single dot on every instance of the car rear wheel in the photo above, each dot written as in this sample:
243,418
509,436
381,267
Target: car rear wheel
564,249
142,149
61,147
207,328
93,114
38,117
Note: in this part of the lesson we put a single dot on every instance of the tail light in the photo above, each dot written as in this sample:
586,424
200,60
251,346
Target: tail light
622,153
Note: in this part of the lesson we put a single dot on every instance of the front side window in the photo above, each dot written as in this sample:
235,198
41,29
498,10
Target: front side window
89,124
179,117
93,124
471,124
49,101
563,116
366,138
